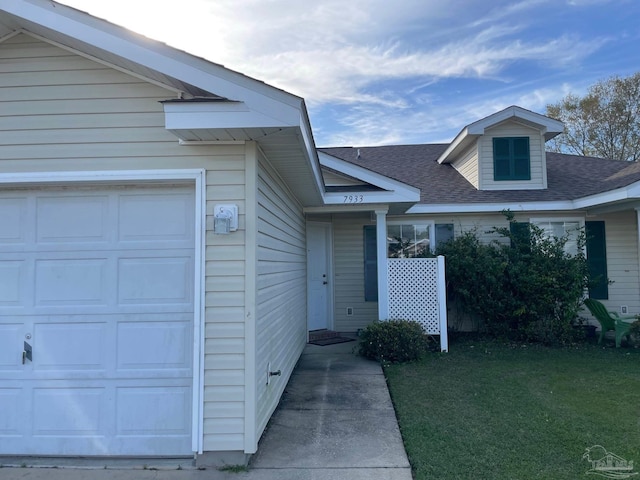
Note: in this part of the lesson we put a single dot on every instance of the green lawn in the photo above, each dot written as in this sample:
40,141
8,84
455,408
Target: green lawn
491,410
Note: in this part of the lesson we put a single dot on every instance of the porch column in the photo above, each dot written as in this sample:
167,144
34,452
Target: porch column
383,270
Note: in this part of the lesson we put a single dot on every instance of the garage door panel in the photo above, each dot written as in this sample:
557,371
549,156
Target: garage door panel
155,218
153,411
69,411
71,282
13,218
72,219
160,280
11,419
10,347
154,345
12,283
70,346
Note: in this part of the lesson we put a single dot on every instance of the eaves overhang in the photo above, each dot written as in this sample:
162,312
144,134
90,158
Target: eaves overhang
388,190
622,196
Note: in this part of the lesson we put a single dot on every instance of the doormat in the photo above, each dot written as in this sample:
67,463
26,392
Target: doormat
323,342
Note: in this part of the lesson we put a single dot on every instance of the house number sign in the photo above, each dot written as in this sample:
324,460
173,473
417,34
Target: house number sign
354,199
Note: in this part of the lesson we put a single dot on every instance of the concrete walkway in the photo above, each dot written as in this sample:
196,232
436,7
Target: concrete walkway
335,421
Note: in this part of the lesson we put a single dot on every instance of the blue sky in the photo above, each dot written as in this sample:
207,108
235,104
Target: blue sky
379,72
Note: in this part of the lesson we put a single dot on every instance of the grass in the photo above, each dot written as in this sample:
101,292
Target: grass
513,411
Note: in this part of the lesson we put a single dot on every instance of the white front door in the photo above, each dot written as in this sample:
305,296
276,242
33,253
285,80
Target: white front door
96,321
319,276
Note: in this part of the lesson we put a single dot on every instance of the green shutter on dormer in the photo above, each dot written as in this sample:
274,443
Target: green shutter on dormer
511,158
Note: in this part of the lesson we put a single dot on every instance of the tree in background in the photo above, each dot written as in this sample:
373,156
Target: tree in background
603,123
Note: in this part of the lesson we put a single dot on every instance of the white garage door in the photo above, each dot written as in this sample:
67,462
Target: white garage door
98,285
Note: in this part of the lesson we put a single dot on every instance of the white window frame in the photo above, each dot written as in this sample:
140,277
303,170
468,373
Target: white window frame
580,220
430,224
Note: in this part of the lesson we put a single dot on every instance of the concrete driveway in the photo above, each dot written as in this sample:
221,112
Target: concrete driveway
335,421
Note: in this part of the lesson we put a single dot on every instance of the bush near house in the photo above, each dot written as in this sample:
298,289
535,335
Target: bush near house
393,341
524,285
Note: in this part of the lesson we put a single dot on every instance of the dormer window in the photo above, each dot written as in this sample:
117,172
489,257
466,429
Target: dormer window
511,159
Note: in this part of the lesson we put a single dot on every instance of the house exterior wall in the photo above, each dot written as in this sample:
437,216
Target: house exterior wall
467,165
622,259
62,112
281,292
348,248
537,157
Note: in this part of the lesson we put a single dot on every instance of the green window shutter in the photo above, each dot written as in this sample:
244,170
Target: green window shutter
520,235
597,260
521,159
511,158
370,264
501,159
444,233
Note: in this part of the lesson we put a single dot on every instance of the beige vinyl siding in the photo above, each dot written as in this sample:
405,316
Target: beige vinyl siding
281,323
467,165
622,260
119,125
348,247
224,378
537,157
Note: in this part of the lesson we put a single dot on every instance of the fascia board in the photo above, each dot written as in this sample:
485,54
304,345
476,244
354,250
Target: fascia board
154,55
462,139
546,124
627,193
491,207
193,116
364,197
310,146
403,191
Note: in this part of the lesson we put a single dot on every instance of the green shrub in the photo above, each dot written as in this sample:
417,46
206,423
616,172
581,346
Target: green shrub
524,285
393,341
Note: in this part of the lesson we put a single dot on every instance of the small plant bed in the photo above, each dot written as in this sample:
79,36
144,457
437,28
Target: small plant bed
500,410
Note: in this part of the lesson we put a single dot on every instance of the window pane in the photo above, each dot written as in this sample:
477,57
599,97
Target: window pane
407,241
559,230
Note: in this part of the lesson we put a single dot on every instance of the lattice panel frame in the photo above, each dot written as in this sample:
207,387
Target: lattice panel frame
413,291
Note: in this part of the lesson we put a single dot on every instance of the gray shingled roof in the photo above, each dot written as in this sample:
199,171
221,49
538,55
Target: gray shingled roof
568,176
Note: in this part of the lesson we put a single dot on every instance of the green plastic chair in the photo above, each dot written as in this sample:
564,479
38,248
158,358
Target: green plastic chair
609,320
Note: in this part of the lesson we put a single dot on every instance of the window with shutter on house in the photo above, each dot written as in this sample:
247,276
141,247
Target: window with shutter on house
403,241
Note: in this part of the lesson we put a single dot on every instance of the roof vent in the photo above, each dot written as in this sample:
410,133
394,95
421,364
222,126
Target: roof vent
358,154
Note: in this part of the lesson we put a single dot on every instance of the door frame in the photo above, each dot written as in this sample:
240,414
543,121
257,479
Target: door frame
120,177
328,229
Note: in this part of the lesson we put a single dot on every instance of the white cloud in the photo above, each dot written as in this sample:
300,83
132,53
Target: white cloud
383,60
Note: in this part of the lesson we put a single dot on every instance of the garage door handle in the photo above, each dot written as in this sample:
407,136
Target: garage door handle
27,353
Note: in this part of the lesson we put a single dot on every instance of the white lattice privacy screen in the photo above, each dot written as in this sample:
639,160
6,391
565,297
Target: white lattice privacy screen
416,292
